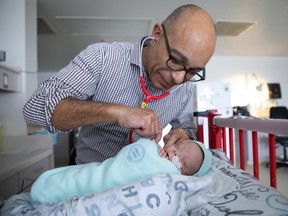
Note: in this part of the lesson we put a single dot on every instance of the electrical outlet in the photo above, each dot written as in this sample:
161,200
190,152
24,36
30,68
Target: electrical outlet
2,55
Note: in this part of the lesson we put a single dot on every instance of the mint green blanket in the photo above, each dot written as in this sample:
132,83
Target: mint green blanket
134,162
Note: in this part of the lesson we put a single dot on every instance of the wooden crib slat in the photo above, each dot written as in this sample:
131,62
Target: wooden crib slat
272,160
231,145
224,139
242,149
201,133
255,154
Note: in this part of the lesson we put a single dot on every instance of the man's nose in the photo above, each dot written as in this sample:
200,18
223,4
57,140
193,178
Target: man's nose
178,76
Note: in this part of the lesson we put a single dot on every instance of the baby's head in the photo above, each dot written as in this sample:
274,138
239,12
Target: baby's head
193,157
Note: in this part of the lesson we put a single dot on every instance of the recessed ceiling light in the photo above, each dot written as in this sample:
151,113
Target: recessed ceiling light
228,28
43,28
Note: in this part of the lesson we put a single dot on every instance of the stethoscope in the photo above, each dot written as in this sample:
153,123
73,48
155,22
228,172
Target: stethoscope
148,95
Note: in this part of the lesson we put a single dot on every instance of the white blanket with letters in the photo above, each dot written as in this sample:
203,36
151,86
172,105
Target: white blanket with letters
166,194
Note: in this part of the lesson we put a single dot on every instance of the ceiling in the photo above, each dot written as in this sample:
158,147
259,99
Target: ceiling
75,24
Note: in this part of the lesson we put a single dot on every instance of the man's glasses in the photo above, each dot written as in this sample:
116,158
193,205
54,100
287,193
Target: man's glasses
174,64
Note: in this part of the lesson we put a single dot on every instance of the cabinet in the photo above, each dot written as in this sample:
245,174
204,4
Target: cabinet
22,180
9,186
19,168
27,176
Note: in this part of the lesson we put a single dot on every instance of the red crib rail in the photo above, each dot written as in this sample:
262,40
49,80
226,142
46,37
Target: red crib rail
217,138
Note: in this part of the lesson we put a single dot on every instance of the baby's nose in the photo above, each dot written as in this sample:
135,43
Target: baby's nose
171,154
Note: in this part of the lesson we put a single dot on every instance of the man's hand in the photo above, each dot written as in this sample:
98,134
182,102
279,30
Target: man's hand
144,122
175,136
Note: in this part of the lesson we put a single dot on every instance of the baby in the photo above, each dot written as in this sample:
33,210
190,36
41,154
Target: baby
134,162
190,157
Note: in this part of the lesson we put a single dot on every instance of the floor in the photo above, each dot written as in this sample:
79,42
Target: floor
281,176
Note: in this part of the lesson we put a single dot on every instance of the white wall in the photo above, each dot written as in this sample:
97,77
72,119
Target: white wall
238,71
18,38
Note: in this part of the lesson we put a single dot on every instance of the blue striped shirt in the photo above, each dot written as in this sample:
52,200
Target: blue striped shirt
108,73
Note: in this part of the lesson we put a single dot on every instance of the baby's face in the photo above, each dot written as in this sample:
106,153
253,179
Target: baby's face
190,156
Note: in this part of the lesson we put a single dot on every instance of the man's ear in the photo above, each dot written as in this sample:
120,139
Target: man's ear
157,31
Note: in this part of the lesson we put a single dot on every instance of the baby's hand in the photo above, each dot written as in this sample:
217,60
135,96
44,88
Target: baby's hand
162,152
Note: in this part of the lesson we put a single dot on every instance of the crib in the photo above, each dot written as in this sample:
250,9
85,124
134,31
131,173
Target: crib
225,190
218,128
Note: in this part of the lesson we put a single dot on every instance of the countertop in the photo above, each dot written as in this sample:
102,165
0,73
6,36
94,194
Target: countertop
20,152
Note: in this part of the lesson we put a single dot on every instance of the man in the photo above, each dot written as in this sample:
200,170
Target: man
100,90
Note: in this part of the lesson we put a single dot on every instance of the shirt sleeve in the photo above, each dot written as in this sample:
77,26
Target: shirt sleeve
77,80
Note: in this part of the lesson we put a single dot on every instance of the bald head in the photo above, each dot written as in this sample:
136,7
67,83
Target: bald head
189,38
191,26
179,13
185,13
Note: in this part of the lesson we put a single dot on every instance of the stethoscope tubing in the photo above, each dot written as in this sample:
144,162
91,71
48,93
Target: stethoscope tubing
148,95
147,99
